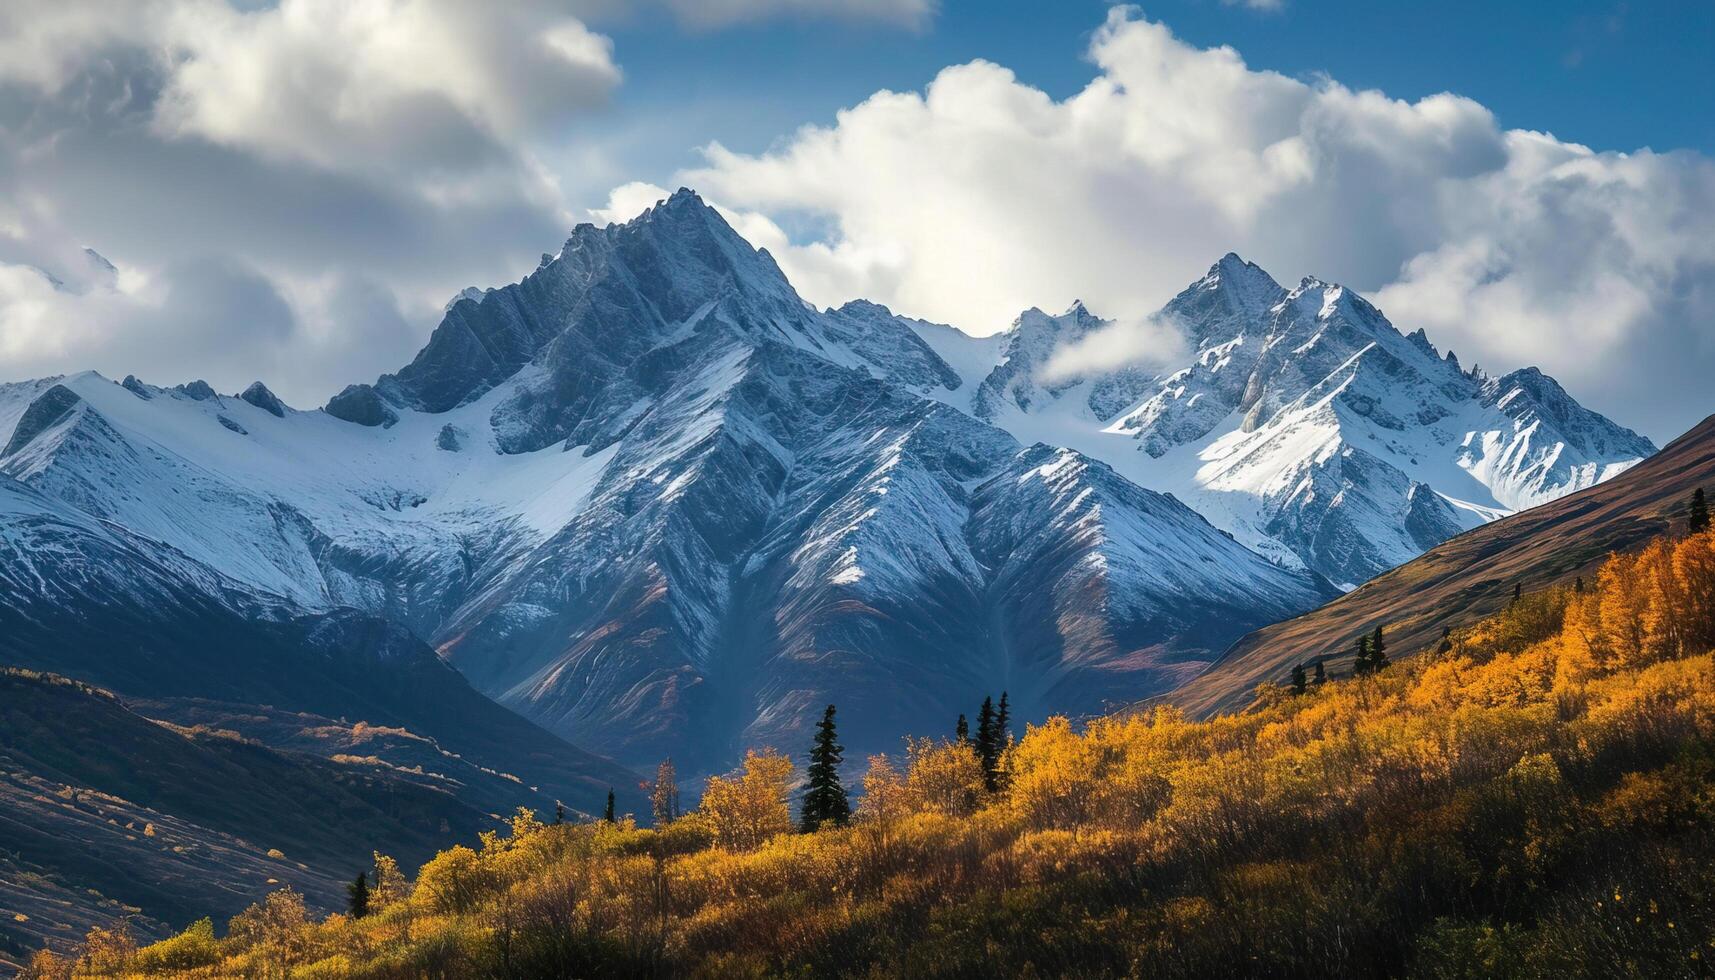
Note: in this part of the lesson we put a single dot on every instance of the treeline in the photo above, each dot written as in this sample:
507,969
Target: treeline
1533,797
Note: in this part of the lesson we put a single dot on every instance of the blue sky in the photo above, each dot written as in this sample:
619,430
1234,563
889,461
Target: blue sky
292,189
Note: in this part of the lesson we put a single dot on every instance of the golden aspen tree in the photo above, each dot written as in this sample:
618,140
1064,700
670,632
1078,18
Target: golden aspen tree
747,808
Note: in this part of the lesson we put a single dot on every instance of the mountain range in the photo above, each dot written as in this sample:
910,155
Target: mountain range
655,502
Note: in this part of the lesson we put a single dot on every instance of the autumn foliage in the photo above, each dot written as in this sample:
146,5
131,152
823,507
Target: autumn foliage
1534,797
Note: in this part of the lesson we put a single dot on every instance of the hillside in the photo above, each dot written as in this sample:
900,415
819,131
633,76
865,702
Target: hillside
1531,801
104,810
1470,576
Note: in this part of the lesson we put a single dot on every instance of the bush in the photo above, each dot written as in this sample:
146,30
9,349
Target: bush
194,947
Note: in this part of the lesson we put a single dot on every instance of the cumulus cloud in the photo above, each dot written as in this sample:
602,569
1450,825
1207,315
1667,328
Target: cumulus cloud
981,196
282,187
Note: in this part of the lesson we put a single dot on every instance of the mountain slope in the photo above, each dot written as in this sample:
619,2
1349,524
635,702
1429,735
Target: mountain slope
1472,575
87,599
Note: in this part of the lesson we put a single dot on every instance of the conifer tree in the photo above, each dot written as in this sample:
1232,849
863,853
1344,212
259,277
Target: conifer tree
1300,681
988,745
962,731
1361,662
1578,586
664,795
824,797
357,896
1698,520
1002,717
1321,673
1378,650
559,812
608,814
1518,592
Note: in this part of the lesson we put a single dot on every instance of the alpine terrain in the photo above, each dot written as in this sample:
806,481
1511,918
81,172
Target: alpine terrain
656,503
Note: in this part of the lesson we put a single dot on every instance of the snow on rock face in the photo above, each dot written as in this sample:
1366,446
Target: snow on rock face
1307,426
1105,588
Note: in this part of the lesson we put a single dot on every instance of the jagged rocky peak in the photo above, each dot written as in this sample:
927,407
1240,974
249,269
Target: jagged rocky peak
1233,293
610,296
1244,283
198,390
1529,396
259,395
475,294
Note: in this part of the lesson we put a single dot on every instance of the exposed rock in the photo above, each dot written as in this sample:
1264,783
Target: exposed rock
361,404
259,395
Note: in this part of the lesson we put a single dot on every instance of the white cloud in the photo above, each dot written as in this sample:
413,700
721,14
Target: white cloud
1145,342
910,14
982,196
343,84
342,166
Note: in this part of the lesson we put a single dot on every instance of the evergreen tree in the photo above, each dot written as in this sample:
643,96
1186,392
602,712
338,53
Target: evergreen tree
357,896
1578,586
988,745
824,798
1361,662
1321,673
608,814
962,731
559,812
1518,592
1446,640
1002,717
664,795
1300,681
1378,650
1698,520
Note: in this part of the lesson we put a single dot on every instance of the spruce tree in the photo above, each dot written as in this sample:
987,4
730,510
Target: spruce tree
608,814
1378,650
1361,662
1578,586
559,812
824,798
1300,682
357,896
1002,717
962,731
1518,592
1321,673
1698,520
988,745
